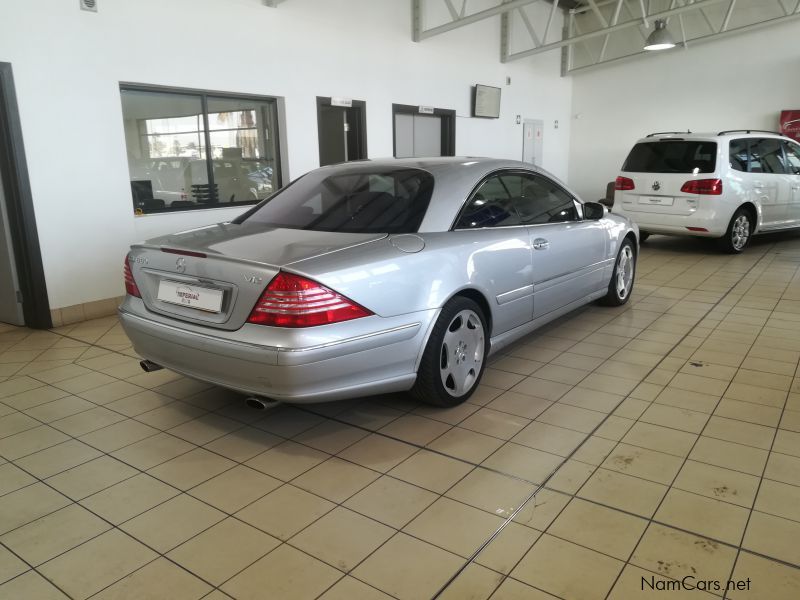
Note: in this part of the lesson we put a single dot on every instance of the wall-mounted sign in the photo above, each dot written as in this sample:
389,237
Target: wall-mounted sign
790,124
338,101
426,110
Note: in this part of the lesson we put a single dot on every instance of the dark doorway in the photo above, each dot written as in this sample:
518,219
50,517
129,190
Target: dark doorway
342,131
423,131
23,293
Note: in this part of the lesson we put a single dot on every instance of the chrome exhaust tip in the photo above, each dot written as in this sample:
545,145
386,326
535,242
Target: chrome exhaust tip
260,403
149,366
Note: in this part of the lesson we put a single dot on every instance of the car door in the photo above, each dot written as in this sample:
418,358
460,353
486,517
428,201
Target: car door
792,151
768,185
569,253
500,255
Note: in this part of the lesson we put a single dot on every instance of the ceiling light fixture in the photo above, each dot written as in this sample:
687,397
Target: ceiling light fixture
660,38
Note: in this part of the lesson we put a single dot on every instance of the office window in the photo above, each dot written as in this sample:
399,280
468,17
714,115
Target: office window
190,150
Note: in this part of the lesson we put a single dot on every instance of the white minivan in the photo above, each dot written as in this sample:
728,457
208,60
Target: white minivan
729,185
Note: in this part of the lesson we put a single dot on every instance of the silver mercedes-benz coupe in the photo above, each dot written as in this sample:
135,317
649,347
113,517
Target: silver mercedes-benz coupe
373,277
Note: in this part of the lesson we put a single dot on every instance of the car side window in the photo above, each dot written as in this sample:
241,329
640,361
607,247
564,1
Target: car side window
738,155
792,157
490,206
541,200
766,156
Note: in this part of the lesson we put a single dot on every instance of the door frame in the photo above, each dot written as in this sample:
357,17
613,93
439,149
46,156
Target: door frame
448,125
362,122
19,204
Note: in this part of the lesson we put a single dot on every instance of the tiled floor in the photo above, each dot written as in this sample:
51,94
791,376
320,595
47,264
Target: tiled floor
617,446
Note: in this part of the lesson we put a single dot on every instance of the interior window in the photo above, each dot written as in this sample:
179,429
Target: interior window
766,156
792,157
738,155
490,206
543,201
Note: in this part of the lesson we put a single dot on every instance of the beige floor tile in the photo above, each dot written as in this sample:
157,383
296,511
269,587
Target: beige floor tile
205,429
756,394
749,412
769,579
787,442
283,573
16,423
780,467
408,568
110,392
169,524
13,478
719,483
34,397
571,476
118,435
549,566
662,439
287,460
520,461
391,501
475,582
790,420
87,421
550,438
191,469
53,534
59,409
378,452
139,403
677,554
602,529
431,471
160,578
152,451
779,499
729,455
57,458
331,436
91,477
234,489
541,388
642,462
285,511
372,415
465,445
500,379
703,516
521,405
520,366
695,382
30,441
571,417
129,498
96,564
614,428
243,444
31,585
492,492
415,429
10,566
591,399
220,552
740,432
28,504
495,423
561,374
452,416
454,526
349,588
594,450
336,479
773,536
511,589
675,418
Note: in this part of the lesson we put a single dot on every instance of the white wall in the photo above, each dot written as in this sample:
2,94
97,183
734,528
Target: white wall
68,65
739,82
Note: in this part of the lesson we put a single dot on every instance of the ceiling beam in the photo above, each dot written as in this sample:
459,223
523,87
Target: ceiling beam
420,34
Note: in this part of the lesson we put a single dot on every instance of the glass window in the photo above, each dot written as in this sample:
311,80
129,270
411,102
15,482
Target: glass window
792,157
541,200
766,156
738,154
490,206
190,150
351,200
672,156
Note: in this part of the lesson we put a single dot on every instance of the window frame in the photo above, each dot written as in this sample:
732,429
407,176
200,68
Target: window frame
785,144
204,95
756,140
513,171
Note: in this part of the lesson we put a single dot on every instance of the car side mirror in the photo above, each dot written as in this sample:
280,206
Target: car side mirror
594,211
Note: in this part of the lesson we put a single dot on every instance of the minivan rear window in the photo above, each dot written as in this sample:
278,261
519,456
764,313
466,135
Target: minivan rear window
672,156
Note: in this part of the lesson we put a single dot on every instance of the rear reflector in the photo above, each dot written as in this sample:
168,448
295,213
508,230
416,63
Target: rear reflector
706,187
184,252
130,283
697,229
624,184
294,301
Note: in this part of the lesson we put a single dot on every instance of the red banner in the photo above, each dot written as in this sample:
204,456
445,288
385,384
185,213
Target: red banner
790,124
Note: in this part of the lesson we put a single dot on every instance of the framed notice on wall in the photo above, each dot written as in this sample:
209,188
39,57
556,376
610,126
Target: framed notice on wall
790,124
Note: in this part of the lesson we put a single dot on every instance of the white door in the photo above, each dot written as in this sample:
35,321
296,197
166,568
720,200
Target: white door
532,138
768,182
10,307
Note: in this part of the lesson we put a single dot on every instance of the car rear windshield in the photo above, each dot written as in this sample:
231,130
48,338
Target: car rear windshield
351,201
672,156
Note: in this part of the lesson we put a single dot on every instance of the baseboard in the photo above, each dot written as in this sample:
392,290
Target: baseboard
77,313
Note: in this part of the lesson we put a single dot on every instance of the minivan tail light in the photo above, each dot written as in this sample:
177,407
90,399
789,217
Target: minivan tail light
130,283
624,184
705,187
294,301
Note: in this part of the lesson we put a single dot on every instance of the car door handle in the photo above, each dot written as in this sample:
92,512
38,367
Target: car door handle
540,244
758,184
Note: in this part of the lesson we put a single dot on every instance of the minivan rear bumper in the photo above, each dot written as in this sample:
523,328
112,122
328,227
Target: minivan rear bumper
714,221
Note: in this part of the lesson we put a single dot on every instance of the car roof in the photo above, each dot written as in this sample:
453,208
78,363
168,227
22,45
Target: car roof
713,136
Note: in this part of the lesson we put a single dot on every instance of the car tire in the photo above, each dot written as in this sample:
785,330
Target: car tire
621,285
643,235
455,356
739,232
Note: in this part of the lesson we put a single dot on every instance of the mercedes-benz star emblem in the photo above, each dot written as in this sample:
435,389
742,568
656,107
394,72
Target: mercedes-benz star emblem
180,264
656,186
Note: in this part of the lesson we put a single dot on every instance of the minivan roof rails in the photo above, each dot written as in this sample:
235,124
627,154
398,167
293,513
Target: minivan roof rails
749,131
667,133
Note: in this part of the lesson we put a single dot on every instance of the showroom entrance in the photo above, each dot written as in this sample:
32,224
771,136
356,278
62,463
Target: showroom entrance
342,125
423,131
23,295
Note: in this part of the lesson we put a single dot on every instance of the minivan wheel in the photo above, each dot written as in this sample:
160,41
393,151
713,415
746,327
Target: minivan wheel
454,359
740,230
621,285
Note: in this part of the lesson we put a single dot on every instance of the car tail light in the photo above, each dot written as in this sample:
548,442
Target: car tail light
624,184
294,301
130,283
705,187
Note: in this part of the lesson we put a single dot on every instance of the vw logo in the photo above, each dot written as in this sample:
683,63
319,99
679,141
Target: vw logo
180,264
656,186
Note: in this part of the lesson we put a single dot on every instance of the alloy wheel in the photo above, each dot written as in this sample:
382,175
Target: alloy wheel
461,353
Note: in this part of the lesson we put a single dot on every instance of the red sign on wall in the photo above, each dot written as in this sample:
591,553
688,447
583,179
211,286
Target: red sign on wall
790,124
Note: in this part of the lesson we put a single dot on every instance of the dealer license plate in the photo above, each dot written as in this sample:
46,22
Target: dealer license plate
193,296
657,200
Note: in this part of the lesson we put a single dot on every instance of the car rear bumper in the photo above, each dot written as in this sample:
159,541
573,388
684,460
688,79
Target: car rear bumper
380,361
715,223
